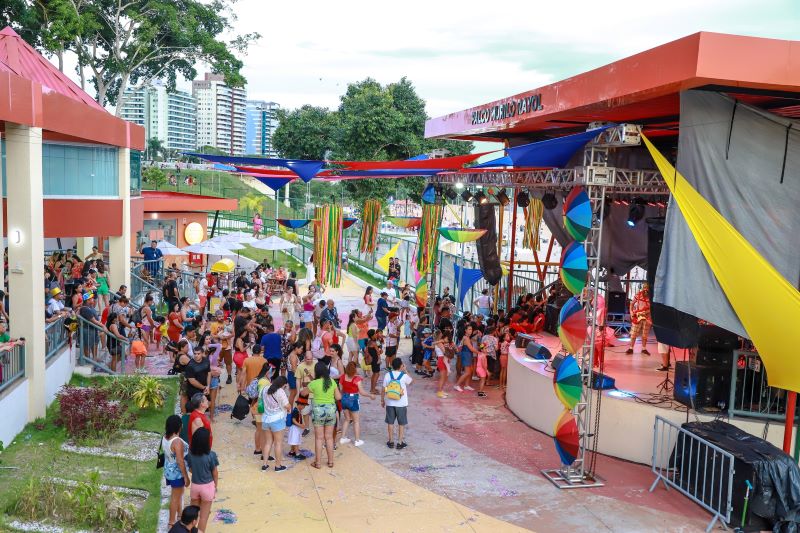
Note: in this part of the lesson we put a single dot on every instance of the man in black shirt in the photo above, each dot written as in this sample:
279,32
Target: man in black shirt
197,373
189,520
170,291
241,322
445,323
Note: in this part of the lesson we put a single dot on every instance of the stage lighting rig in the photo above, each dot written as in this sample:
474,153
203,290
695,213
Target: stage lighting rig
502,197
550,201
481,198
523,200
466,196
635,213
450,193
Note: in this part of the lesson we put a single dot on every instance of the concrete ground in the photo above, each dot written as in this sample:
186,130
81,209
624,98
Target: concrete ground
471,465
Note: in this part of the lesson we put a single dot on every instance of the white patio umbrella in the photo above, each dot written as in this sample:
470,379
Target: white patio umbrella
228,245
237,236
209,248
168,248
273,243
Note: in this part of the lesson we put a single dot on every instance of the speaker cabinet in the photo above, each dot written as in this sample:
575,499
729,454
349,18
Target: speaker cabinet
537,351
701,385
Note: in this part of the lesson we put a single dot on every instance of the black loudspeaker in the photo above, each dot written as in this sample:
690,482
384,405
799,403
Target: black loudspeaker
715,338
703,386
718,358
537,351
488,259
551,312
671,326
602,381
557,360
522,340
616,303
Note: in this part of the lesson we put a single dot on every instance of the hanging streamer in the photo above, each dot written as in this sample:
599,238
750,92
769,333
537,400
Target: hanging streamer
428,242
370,224
328,244
533,221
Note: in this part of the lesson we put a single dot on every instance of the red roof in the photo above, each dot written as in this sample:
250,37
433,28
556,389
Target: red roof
18,57
170,201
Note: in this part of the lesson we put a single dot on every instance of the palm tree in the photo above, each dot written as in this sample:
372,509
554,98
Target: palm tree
251,202
154,148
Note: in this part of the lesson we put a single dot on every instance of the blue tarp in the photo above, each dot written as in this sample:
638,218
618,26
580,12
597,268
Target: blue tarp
304,168
274,183
552,153
470,277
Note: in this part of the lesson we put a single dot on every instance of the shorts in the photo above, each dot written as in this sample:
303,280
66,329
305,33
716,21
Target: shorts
362,343
146,328
427,355
440,365
291,380
351,344
375,366
205,492
214,382
466,358
323,415
176,483
640,329
381,321
238,359
399,414
350,402
275,426
391,351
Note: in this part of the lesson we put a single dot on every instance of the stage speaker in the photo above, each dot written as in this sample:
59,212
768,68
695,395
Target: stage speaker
703,386
551,312
557,360
522,340
714,338
616,303
602,381
717,358
488,259
537,351
671,326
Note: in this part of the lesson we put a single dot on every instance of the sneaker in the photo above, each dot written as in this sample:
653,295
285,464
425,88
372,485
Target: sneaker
229,380
645,352
459,389
390,444
270,458
344,440
475,378
441,395
481,394
467,387
401,445
358,443
663,369
300,457
306,432
264,468
427,376
629,351
280,468
257,452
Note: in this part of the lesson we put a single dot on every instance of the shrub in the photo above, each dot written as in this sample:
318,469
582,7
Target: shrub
149,393
120,387
88,413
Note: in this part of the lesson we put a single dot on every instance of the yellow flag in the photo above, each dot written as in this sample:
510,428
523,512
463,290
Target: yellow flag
383,262
765,302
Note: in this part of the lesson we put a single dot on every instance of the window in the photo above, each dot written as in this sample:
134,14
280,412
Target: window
78,170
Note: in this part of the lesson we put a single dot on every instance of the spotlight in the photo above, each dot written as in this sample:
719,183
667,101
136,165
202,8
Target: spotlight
635,214
523,200
549,200
466,196
502,197
450,193
481,198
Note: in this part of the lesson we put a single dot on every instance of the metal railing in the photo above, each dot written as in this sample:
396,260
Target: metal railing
695,467
96,344
751,395
56,336
12,366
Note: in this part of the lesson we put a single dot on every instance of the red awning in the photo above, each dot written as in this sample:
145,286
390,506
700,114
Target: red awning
454,162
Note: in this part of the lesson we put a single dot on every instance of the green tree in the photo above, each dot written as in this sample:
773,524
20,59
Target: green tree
154,148
128,44
155,177
305,133
252,202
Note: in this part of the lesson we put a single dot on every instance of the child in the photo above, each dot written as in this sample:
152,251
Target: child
139,350
481,369
440,346
492,344
395,400
212,352
508,338
427,353
295,434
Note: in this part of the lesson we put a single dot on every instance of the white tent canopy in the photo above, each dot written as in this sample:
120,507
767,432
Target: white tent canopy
273,243
168,248
209,248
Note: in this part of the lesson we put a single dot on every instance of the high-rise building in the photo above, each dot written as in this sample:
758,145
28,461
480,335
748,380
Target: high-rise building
168,116
221,114
262,120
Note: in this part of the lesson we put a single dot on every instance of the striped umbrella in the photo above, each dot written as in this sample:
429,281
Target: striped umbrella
567,382
461,235
578,214
566,437
572,325
405,222
574,267
294,223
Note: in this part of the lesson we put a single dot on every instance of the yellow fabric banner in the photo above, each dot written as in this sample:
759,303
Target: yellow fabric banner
383,262
765,302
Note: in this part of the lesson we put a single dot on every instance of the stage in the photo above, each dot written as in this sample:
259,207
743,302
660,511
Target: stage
627,412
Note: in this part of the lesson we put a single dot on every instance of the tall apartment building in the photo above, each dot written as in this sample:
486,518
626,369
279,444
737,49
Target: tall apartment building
168,116
221,114
262,120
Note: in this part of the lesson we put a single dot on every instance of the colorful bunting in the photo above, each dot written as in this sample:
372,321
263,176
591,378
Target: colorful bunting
347,222
383,262
294,223
465,279
371,221
461,235
533,221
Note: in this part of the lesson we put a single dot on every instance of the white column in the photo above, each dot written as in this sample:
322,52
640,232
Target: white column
119,248
84,247
26,255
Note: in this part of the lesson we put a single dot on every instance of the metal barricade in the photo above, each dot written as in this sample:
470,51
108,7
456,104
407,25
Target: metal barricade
12,366
98,348
56,336
695,467
751,394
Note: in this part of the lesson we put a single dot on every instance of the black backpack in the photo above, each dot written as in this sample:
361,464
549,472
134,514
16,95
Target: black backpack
241,408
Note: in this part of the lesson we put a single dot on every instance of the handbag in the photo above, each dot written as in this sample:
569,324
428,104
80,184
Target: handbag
160,458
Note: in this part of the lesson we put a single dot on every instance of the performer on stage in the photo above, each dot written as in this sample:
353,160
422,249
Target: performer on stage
640,319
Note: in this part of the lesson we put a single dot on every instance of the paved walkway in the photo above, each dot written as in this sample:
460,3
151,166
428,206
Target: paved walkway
471,465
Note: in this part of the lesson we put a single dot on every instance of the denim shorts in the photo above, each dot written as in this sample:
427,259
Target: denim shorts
291,379
176,483
214,382
323,415
466,358
275,426
350,402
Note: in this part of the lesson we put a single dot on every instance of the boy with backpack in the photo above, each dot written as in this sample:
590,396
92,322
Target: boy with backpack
395,400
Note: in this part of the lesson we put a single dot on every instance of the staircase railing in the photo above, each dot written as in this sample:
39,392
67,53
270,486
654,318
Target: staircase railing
99,348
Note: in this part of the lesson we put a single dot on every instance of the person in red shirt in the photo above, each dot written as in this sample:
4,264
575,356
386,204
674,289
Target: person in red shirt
198,419
351,386
640,319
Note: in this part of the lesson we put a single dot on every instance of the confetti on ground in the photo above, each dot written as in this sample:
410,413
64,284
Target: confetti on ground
226,516
504,492
224,408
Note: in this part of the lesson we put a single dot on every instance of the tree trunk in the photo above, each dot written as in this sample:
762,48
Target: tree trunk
123,86
60,57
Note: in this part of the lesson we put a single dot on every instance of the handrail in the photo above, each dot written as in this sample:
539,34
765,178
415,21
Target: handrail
12,366
89,337
56,336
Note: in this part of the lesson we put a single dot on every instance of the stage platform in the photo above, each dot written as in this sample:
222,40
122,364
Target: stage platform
627,413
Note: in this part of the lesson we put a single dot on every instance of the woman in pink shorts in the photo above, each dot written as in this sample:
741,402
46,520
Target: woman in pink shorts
205,477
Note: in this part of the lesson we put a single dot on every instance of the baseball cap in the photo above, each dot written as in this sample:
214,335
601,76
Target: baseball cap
426,331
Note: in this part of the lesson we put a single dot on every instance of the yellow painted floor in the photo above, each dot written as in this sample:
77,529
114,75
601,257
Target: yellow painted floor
357,495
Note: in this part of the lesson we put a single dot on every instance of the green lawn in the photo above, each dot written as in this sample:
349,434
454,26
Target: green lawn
280,259
36,453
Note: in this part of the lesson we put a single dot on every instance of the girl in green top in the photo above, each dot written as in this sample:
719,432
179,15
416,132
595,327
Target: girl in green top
323,413
102,284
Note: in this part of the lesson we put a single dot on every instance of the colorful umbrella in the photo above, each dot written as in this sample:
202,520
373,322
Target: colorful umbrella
578,214
405,222
461,235
574,267
347,222
421,292
294,223
566,437
572,325
567,382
